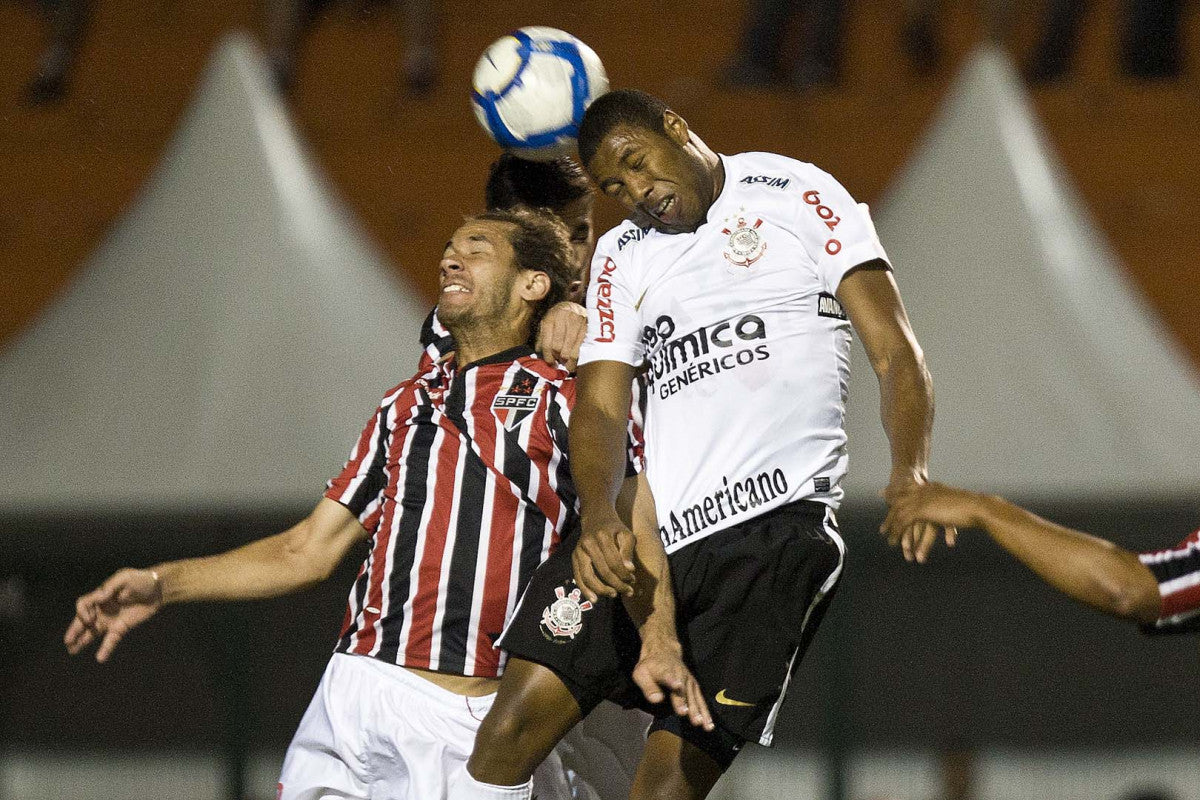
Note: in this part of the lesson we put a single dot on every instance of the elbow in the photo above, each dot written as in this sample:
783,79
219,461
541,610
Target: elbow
308,563
904,363
1129,590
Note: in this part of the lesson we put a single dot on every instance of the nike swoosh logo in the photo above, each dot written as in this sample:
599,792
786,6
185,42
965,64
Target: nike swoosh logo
728,701
638,304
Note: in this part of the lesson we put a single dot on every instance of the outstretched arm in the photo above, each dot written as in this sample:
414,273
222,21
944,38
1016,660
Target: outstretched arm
300,557
873,304
1089,569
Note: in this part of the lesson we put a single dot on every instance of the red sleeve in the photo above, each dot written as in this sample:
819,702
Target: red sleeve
1177,571
361,483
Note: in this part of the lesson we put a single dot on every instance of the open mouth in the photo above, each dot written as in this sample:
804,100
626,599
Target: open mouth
664,206
455,288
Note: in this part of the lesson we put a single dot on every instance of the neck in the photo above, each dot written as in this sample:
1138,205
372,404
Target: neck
714,164
477,341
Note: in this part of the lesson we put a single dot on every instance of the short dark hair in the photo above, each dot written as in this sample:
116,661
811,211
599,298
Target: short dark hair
514,181
620,106
540,242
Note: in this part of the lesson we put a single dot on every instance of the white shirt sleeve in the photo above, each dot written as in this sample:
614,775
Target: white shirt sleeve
835,229
614,325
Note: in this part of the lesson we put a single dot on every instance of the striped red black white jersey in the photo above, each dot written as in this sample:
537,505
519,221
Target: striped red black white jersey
1177,571
461,480
437,344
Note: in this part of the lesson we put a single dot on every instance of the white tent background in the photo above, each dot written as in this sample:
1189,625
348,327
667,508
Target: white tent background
224,345
1053,377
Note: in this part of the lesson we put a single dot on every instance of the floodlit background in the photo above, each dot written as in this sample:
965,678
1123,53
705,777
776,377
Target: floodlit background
206,283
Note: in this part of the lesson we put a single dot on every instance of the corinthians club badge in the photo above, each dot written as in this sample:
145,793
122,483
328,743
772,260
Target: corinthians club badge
563,618
745,245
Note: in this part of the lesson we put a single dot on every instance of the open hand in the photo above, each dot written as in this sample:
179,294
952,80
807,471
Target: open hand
120,604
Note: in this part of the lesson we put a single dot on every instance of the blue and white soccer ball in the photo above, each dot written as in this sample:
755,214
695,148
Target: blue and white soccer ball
530,90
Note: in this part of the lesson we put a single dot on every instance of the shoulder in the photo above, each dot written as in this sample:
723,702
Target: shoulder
393,394
553,375
772,174
623,240
556,383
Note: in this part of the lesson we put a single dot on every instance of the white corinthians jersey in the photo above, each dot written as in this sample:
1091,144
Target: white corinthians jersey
747,346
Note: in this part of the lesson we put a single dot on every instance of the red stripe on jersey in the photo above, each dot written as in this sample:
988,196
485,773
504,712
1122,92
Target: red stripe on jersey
547,499
1180,602
418,649
372,609
351,475
496,582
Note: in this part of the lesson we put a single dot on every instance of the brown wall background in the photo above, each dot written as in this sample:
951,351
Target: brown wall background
411,167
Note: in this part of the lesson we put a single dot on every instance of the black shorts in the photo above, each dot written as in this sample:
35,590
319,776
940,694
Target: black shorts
748,601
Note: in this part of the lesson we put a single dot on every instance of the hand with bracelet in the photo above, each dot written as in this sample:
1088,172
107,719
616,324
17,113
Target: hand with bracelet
120,604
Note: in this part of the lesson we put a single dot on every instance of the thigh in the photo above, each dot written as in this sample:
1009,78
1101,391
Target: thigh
532,711
591,647
674,768
749,609
602,752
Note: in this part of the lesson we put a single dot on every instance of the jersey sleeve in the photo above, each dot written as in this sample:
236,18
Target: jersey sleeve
834,228
614,325
361,483
1177,571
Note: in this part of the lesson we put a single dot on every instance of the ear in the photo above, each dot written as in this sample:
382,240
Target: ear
676,128
533,286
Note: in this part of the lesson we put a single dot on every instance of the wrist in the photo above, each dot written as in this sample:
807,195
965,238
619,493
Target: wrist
160,574
596,515
989,508
657,639
909,474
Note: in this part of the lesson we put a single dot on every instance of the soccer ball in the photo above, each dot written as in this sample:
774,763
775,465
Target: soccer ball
530,90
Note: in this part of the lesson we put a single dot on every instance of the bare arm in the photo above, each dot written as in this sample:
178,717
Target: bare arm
598,458
1089,569
873,304
660,671
300,557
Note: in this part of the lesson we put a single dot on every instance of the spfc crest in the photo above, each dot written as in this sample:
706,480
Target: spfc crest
563,618
516,401
746,244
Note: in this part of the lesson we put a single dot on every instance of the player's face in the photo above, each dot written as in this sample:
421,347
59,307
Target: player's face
578,218
478,275
655,175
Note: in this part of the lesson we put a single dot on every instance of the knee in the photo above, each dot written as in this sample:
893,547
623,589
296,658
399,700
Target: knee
505,730
507,749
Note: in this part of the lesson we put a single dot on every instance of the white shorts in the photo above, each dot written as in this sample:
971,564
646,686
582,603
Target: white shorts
375,731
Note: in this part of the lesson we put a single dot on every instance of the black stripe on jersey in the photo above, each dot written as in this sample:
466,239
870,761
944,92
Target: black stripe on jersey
358,595
376,480
460,588
404,543
564,482
1169,565
533,534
